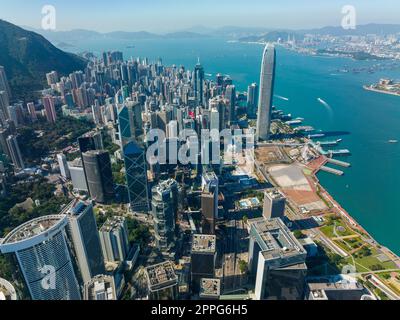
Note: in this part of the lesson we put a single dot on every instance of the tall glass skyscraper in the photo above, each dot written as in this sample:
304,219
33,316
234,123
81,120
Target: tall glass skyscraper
136,176
42,252
99,178
267,80
199,83
85,238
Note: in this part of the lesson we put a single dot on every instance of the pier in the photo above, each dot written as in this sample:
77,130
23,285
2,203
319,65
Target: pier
342,152
331,170
339,163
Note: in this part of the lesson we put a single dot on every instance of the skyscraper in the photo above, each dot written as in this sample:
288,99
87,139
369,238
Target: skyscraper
136,176
252,100
114,239
130,121
52,78
274,204
42,252
4,86
85,239
203,258
15,152
267,80
62,163
209,185
97,166
50,109
90,141
31,110
230,95
164,208
4,104
199,83
208,212
277,260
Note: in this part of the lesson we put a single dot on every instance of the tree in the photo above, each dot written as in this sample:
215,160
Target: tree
298,234
243,266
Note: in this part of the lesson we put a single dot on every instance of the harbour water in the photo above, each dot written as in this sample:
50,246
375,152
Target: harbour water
365,120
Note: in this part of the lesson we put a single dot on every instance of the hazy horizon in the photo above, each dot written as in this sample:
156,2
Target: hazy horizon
163,16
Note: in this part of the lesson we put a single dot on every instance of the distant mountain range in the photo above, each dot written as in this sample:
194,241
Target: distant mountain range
72,36
231,32
28,56
362,30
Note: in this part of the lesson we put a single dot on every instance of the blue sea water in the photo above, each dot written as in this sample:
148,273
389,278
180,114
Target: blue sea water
370,189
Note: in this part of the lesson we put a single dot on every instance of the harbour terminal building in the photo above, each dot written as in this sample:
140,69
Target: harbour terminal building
276,260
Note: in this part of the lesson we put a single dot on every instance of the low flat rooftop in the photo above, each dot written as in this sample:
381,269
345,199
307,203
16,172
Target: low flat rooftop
161,275
204,243
210,287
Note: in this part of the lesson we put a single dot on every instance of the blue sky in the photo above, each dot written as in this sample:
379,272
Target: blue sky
171,15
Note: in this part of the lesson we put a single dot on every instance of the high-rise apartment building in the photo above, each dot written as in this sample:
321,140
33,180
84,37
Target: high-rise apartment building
50,109
15,152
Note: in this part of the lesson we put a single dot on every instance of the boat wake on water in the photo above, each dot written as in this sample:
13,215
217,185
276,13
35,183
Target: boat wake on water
325,104
281,97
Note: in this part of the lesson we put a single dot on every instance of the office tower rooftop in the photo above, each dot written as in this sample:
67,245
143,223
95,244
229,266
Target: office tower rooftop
342,287
203,243
162,277
276,240
33,231
210,288
112,224
101,287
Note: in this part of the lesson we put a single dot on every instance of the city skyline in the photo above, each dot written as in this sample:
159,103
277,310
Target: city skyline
107,189
177,15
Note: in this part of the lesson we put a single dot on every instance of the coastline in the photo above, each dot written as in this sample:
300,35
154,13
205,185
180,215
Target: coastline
369,88
353,222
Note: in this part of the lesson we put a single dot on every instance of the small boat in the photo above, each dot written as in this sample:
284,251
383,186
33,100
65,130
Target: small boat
393,141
